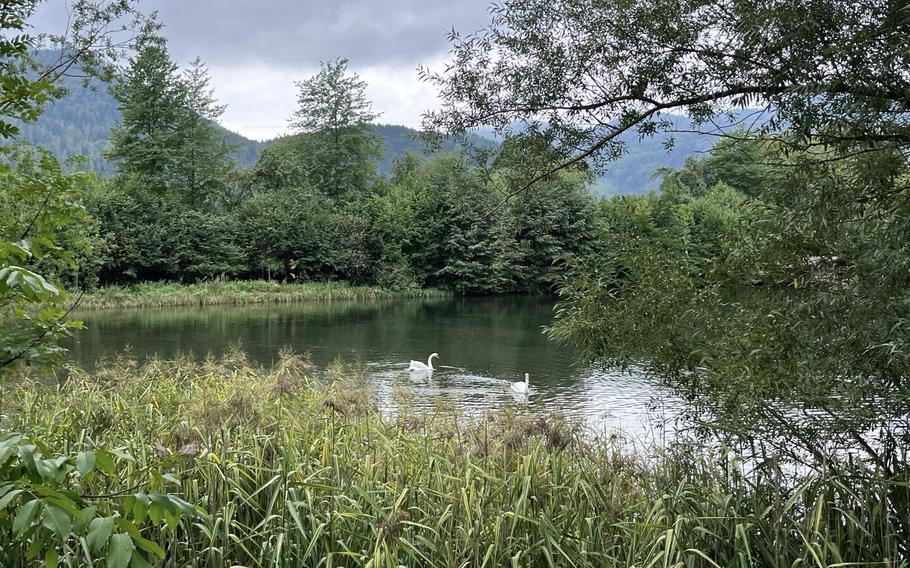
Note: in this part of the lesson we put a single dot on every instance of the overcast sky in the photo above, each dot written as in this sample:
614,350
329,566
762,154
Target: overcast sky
256,49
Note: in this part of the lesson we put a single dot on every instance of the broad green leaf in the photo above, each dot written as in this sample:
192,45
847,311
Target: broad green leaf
48,469
8,447
27,455
37,545
126,456
139,561
121,549
85,462
150,547
171,478
6,499
99,532
58,521
51,559
140,507
26,516
105,461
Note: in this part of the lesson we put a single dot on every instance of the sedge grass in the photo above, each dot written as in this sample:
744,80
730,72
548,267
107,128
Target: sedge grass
240,292
296,471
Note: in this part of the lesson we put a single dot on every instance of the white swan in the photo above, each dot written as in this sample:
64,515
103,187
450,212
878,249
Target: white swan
522,386
418,366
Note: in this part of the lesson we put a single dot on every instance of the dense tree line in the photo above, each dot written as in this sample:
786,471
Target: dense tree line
315,206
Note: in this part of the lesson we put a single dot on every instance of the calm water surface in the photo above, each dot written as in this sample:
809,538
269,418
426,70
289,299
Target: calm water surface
483,345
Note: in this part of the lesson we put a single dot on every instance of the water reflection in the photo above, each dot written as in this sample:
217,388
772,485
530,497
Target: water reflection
484,345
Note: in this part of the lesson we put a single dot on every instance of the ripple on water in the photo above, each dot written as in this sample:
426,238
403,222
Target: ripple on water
606,401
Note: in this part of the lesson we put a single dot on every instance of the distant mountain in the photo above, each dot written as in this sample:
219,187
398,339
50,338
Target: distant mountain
634,171
76,125
400,140
79,124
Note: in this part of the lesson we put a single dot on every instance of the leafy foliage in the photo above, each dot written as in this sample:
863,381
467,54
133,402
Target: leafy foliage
40,229
152,237
21,97
332,108
767,282
45,515
780,317
588,72
166,142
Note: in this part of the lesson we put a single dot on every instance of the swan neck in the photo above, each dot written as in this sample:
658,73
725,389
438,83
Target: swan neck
430,361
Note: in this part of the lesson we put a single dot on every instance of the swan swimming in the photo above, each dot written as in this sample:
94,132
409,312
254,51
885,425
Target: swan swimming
418,366
522,386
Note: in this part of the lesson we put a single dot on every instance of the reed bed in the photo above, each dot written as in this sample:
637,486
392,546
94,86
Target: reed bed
240,292
299,471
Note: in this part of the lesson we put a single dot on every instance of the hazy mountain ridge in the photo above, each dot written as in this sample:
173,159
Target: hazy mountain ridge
80,123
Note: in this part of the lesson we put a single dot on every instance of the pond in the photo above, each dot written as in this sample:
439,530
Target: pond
483,343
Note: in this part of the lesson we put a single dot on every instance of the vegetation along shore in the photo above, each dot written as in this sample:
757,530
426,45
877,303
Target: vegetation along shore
243,292
276,467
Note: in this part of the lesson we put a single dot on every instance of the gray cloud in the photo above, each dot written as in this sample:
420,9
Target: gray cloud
256,48
368,31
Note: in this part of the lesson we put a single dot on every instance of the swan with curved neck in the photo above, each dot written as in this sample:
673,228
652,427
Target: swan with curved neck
418,366
522,386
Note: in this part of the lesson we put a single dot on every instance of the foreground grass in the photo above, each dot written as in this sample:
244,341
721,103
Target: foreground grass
296,471
159,294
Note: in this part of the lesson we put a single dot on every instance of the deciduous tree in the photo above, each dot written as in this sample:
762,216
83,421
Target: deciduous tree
334,112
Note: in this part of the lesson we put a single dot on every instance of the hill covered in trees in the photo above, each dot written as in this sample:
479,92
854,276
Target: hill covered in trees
80,123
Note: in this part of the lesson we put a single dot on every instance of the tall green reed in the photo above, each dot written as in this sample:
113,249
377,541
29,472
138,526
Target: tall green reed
299,471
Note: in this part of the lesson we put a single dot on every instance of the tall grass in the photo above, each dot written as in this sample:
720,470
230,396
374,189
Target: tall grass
160,294
303,472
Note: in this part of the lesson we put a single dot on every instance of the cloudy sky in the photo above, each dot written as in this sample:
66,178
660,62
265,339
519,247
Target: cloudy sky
256,49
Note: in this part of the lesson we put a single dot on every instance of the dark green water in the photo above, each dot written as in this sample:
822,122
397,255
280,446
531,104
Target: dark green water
483,343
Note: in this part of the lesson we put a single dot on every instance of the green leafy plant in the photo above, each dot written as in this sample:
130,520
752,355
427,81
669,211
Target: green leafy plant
45,510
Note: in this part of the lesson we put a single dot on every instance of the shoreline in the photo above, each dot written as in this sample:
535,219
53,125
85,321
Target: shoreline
238,293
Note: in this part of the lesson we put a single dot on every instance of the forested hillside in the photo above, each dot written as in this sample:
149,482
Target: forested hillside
80,123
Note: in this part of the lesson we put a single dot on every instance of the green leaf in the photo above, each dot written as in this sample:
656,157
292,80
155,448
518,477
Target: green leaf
8,447
139,561
99,532
48,469
85,516
188,510
51,559
5,500
27,455
156,514
171,478
105,461
172,519
34,549
85,462
150,547
140,507
121,550
126,456
25,517
58,521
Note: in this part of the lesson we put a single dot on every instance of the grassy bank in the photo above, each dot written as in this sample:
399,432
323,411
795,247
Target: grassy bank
296,471
160,294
